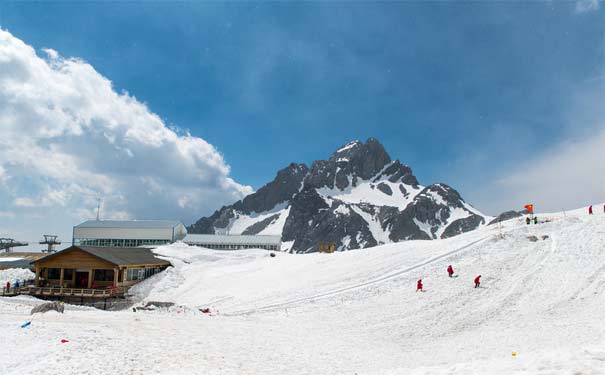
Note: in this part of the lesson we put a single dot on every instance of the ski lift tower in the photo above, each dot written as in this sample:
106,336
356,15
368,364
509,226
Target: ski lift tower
50,240
7,244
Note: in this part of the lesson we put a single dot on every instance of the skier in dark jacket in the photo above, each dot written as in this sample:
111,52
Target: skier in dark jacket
419,286
477,282
450,270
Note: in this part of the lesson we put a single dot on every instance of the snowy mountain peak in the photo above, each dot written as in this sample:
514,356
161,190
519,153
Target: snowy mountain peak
357,198
349,165
348,146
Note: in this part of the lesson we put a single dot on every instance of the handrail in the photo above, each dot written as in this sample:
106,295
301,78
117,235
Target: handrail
75,292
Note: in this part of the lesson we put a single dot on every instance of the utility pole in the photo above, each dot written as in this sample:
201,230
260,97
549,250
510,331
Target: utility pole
7,244
51,241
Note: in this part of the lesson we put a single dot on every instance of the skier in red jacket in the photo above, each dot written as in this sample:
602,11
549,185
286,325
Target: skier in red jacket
477,281
419,285
590,210
450,270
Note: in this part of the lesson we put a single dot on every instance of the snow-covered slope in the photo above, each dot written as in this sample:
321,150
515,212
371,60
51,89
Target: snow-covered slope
357,198
542,296
13,274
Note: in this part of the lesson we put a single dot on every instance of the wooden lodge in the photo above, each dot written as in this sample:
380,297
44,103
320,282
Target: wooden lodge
95,270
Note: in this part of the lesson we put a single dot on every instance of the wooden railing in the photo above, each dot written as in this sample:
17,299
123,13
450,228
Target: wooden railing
66,292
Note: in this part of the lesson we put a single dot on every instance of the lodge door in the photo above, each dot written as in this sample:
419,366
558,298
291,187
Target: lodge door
81,279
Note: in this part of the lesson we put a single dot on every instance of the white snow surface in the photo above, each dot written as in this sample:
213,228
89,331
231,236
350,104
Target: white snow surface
241,222
352,312
348,146
365,193
13,274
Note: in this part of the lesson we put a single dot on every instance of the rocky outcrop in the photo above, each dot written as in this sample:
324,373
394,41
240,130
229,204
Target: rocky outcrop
356,198
507,216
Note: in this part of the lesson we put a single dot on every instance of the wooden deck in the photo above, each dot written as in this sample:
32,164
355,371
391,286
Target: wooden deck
65,292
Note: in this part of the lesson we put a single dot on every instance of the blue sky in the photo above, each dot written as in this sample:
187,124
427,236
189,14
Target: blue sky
465,93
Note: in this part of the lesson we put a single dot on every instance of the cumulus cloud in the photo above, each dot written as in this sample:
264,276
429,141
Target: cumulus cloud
67,138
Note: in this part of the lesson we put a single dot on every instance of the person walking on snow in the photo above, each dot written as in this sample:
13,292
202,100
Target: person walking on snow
477,282
590,210
8,286
450,270
419,285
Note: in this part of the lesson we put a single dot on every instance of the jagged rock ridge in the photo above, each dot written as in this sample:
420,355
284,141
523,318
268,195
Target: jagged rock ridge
356,198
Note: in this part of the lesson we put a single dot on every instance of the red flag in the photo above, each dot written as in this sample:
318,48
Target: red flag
529,208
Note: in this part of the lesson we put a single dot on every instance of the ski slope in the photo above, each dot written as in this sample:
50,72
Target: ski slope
350,312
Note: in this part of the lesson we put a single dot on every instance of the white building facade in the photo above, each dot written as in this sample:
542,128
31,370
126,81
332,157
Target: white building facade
128,233
233,242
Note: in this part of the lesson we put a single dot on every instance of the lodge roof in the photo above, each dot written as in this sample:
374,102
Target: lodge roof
130,224
120,256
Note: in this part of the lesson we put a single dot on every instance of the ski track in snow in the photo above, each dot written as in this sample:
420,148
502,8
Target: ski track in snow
356,286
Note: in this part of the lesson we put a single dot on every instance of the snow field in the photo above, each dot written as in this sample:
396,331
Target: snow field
351,312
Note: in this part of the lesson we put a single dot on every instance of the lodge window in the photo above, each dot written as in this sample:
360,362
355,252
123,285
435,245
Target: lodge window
132,274
103,275
68,274
54,273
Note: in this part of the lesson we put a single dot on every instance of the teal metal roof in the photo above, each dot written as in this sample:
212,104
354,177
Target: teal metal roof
130,224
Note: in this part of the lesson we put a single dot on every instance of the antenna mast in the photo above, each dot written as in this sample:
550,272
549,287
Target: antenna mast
98,208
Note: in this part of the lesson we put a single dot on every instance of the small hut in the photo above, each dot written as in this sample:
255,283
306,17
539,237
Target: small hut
327,247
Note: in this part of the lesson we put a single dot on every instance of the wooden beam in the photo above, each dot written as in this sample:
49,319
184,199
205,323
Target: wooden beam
37,276
90,277
115,276
61,278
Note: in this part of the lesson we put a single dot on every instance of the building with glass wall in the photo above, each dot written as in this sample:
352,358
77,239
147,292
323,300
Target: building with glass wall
233,242
127,233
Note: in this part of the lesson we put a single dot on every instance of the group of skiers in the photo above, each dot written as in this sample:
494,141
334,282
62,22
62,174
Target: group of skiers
450,272
590,209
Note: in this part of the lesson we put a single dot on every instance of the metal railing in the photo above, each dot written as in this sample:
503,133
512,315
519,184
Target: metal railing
66,292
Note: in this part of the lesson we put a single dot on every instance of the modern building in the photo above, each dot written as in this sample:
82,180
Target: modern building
233,242
127,233
98,267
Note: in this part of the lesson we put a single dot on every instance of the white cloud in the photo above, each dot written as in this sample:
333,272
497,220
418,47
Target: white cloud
67,138
572,175
3,175
583,6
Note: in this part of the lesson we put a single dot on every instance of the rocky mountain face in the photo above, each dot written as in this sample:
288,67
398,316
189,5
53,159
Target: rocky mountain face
357,198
